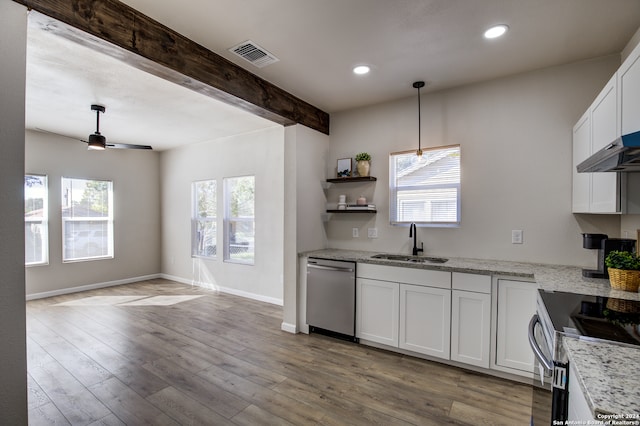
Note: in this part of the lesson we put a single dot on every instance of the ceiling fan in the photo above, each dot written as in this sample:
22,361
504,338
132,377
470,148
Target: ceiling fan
97,141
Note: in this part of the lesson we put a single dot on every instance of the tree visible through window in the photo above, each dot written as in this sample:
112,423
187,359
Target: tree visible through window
239,219
36,225
204,219
87,219
427,190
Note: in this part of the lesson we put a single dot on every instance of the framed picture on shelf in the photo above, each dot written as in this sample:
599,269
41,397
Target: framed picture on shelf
344,167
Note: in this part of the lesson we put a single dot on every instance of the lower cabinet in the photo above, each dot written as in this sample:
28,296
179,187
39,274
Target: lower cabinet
425,320
377,311
447,315
471,327
579,411
406,308
516,305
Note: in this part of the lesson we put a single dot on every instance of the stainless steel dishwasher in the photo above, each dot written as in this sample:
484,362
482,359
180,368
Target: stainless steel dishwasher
331,297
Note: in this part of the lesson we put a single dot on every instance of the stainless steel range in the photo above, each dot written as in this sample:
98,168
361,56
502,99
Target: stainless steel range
561,315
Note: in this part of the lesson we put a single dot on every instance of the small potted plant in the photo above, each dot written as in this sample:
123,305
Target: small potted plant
363,163
624,270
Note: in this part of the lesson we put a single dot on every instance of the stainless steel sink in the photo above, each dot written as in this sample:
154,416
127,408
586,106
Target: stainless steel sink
413,259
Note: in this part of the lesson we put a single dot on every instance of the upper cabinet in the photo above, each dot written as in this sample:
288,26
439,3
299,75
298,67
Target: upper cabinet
614,112
605,187
629,92
596,192
581,151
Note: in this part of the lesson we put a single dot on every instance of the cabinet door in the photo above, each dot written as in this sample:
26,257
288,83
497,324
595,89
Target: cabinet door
377,311
470,327
579,411
629,92
425,320
581,150
516,306
604,130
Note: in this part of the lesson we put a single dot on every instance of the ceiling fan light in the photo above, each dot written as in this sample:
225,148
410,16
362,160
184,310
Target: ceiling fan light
97,142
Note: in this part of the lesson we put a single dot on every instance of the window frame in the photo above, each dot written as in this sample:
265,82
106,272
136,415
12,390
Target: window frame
394,191
43,221
108,219
195,240
228,220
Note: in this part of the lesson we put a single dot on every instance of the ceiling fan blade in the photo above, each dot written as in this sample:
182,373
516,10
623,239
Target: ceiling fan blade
127,146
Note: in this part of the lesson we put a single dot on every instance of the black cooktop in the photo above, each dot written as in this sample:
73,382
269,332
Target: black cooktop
604,318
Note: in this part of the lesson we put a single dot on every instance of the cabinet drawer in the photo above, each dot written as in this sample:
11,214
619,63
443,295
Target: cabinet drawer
440,279
471,282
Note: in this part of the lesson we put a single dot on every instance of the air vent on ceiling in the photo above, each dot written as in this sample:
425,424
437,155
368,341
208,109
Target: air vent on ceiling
253,53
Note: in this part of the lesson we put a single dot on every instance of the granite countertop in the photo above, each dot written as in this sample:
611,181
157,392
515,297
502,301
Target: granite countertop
548,277
608,376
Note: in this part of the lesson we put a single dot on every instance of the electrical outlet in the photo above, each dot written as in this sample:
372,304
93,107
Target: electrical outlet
516,236
372,232
355,233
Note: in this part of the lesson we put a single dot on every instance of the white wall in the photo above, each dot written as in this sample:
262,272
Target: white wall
312,152
258,153
305,158
13,368
136,188
515,137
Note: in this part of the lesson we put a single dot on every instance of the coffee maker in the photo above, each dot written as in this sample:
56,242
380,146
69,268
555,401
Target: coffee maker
604,245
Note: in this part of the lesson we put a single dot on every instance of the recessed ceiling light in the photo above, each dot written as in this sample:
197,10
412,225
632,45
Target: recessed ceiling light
496,31
361,69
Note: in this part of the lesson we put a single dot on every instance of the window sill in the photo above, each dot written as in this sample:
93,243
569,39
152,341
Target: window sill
87,259
239,262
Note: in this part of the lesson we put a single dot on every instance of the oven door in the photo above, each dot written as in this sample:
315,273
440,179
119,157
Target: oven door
542,398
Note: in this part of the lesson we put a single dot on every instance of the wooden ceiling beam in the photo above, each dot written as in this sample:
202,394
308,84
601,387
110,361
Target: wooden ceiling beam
126,34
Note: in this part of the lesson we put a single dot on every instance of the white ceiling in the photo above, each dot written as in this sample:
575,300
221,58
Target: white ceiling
64,79
318,43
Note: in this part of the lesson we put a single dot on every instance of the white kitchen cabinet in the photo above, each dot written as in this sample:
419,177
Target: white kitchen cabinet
425,320
581,151
397,274
377,308
579,410
516,304
471,319
604,116
409,308
599,126
629,92
605,128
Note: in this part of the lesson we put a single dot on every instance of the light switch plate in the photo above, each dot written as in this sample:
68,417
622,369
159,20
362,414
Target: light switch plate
516,236
355,233
372,232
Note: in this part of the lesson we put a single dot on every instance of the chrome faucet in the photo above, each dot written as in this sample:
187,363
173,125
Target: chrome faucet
413,233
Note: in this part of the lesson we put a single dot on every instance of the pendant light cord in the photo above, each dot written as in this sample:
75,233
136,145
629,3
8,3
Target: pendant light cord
418,85
419,123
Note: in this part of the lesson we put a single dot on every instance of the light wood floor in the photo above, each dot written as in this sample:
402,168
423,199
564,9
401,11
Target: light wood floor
221,359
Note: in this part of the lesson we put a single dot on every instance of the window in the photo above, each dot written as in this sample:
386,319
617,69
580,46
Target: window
36,225
87,219
425,191
203,219
239,220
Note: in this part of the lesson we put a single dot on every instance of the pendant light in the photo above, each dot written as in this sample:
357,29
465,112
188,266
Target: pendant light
418,85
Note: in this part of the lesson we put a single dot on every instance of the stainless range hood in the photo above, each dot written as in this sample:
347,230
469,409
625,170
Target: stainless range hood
621,155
